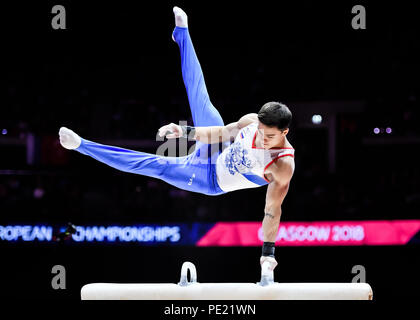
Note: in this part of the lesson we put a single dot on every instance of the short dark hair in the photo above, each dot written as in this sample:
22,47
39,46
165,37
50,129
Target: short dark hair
275,114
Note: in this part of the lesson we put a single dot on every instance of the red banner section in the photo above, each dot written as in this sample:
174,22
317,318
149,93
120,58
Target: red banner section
328,233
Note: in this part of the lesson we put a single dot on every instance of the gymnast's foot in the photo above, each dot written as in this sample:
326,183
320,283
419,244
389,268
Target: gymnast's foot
69,139
181,19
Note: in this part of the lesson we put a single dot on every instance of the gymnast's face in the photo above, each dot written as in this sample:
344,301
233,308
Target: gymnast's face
271,137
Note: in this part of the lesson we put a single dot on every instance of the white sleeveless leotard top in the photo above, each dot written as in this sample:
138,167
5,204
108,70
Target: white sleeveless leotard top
242,165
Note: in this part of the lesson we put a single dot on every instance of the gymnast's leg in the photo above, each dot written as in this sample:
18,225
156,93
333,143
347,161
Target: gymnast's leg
184,172
180,172
204,114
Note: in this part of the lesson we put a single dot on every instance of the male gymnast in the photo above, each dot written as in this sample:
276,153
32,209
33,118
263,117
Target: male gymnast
259,155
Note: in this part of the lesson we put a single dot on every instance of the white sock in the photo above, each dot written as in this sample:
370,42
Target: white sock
181,19
69,139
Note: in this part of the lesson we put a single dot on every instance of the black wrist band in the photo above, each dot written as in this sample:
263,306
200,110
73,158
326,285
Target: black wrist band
268,249
186,130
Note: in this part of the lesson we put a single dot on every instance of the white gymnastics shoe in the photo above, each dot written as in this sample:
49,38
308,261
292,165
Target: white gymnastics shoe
69,139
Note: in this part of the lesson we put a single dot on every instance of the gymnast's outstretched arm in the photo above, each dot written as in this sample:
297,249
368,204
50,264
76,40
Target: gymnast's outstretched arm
211,134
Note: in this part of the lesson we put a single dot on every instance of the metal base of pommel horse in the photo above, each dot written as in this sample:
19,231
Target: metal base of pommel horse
266,289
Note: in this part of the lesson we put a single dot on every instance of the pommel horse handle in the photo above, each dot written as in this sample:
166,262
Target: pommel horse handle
267,275
184,274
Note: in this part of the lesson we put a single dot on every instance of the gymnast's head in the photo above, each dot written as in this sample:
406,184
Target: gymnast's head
274,120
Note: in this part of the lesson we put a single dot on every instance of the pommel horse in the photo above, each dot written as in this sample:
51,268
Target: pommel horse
190,289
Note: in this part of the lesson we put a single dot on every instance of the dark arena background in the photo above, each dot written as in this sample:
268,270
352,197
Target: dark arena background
114,77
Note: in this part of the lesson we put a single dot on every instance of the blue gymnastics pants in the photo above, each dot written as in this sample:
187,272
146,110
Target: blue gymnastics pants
195,172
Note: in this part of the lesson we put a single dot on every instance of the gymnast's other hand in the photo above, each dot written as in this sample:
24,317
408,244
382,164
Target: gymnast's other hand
170,131
271,260
69,139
